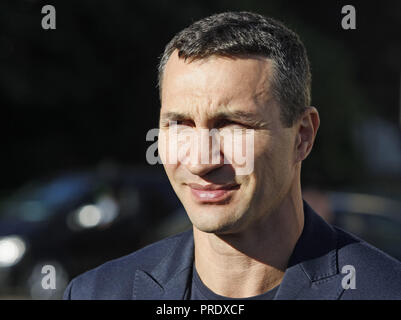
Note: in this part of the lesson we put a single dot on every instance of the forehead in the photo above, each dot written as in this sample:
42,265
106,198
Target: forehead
207,85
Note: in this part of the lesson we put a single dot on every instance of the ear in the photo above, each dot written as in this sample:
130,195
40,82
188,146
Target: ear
306,129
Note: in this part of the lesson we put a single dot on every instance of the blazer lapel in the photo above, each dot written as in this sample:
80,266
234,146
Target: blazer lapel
312,271
296,285
169,279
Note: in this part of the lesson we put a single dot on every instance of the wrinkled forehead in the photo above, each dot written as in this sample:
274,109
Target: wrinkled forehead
216,81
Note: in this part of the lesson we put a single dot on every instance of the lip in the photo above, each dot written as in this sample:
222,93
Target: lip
212,193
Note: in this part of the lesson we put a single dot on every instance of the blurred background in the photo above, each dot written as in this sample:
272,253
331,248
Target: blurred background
76,104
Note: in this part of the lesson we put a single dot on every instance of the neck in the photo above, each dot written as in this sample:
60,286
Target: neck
253,261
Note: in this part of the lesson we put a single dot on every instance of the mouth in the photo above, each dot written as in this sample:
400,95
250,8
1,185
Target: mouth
212,193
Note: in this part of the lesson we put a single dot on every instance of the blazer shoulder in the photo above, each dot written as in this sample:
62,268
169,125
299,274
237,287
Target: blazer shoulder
377,274
114,279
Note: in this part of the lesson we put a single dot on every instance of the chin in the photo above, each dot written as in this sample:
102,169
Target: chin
214,220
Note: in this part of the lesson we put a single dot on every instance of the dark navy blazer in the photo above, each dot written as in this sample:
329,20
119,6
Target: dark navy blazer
163,270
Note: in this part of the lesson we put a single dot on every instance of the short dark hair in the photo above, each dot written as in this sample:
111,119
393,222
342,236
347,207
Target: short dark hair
246,33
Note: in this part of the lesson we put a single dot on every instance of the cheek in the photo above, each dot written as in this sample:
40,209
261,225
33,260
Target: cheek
239,150
264,151
272,160
282,171
175,145
164,154
258,182
167,148
162,146
170,169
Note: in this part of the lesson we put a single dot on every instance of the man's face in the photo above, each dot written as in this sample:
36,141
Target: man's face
231,94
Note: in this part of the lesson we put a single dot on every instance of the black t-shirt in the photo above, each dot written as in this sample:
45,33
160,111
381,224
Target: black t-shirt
200,292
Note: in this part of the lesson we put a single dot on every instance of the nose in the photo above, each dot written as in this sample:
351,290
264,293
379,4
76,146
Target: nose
201,169
205,154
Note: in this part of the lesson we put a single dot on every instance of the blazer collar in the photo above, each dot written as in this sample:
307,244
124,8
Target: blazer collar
170,278
312,272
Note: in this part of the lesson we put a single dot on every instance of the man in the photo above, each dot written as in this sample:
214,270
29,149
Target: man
253,236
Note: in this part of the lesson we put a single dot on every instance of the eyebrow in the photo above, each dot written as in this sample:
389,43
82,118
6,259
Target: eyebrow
174,116
241,116
235,115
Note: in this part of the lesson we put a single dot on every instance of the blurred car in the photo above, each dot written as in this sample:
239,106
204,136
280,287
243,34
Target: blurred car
373,218
77,221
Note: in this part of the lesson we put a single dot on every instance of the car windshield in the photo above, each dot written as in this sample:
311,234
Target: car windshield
36,202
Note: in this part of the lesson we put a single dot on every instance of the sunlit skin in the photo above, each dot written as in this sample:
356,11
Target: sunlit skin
242,243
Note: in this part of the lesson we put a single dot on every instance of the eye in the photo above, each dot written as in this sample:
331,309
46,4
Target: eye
230,123
181,123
